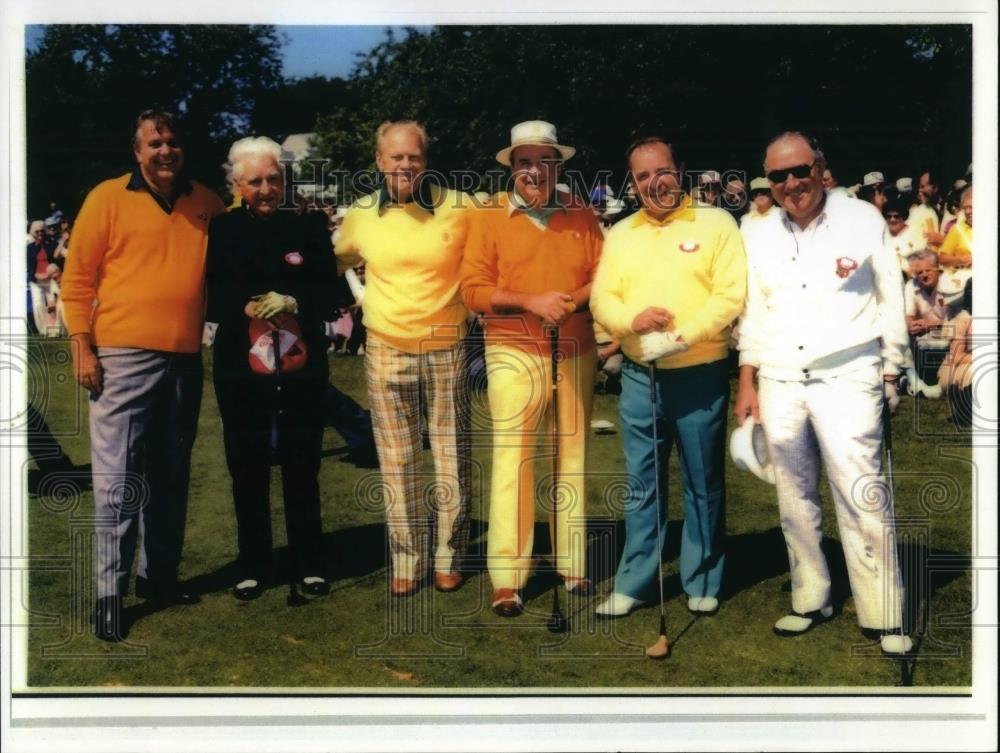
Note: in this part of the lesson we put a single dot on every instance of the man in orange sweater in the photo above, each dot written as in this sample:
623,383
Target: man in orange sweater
133,298
529,260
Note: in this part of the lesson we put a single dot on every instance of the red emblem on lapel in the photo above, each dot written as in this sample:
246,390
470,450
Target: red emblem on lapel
845,265
294,258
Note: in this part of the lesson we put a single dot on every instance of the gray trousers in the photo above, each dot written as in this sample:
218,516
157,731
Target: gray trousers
142,428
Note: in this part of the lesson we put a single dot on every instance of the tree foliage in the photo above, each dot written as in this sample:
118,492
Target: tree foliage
86,84
887,98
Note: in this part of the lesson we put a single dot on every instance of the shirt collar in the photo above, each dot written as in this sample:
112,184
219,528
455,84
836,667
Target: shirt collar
425,199
818,220
685,212
137,182
517,204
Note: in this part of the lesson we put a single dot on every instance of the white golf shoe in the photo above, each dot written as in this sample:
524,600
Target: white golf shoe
896,644
617,605
796,624
703,605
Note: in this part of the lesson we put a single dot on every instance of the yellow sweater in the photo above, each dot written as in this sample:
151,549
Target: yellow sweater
958,242
143,268
692,264
412,259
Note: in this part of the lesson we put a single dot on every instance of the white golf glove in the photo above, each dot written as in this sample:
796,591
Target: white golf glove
656,345
892,396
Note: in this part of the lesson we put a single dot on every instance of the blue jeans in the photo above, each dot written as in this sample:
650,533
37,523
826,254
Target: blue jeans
692,407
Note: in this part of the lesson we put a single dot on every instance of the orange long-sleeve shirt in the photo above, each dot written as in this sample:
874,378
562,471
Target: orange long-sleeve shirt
135,274
507,250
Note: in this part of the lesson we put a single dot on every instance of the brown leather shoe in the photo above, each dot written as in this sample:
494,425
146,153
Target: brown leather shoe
507,603
403,587
448,581
578,586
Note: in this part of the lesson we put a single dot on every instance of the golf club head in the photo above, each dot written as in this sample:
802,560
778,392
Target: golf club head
557,623
660,649
295,599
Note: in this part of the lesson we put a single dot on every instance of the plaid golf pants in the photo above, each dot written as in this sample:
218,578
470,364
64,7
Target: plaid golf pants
402,387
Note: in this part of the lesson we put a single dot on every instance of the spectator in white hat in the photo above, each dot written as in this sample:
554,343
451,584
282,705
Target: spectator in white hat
761,201
873,189
709,188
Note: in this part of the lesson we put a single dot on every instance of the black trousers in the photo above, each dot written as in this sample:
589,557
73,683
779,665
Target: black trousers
259,413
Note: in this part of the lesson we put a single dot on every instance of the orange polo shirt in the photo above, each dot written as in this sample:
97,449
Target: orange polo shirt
508,250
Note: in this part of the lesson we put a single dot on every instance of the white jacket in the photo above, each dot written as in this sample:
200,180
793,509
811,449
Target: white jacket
823,300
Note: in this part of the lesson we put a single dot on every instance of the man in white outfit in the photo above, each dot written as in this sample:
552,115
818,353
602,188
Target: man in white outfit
823,327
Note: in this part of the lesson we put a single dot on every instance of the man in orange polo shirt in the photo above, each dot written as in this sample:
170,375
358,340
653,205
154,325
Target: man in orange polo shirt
133,298
529,261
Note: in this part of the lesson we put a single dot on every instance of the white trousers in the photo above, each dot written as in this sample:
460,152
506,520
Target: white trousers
839,419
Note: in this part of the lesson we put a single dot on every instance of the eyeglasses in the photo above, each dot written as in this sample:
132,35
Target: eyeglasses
799,171
893,216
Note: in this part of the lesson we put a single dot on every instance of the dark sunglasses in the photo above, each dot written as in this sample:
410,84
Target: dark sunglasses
760,192
893,216
799,171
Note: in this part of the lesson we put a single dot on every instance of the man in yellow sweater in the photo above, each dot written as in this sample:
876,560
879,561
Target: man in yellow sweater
529,262
410,234
133,298
671,281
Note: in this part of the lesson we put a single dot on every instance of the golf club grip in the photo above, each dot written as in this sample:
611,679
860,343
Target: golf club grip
276,342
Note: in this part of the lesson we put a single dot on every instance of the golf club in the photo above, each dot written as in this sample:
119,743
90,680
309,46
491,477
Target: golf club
557,622
295,599
660,649
891,486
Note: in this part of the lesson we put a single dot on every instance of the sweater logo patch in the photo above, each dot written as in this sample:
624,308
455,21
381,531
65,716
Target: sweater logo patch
689,247
845,265
294,258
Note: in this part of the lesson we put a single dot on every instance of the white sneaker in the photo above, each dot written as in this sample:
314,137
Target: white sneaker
617,605
894,643
703,604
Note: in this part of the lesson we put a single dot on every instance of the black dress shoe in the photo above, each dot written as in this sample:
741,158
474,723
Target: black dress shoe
109,620
314,588
164,594
248,592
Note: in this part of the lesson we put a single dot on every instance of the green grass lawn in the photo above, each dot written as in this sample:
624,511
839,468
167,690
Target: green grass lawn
359,638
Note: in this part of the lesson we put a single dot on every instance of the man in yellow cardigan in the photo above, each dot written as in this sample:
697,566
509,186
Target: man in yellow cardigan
529,261
410,234
670,283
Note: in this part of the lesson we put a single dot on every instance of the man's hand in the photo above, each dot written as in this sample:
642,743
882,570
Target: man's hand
86,364
652,319
656,345
606,351
933,237
552,307
746,397
269,305
891,396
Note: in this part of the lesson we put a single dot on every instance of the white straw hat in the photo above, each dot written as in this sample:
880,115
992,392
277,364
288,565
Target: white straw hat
534,133
748,449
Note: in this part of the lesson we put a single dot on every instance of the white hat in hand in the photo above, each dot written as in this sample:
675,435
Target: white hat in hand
656,345
748,449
